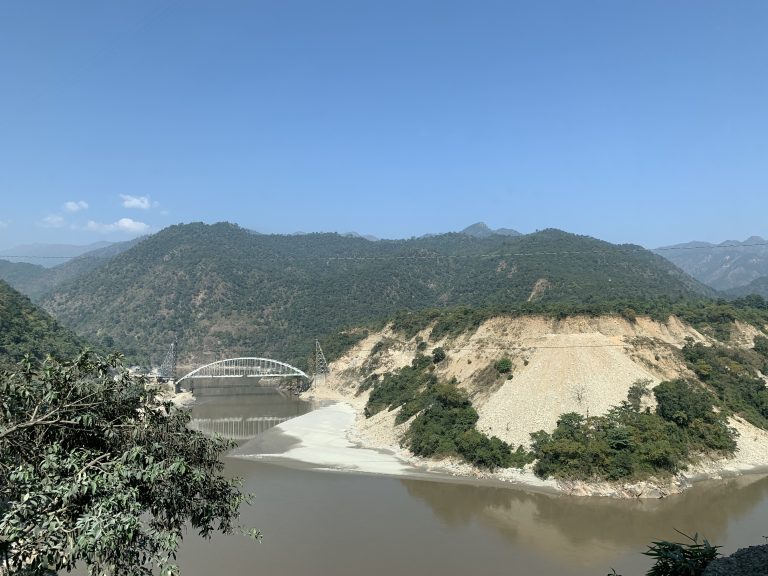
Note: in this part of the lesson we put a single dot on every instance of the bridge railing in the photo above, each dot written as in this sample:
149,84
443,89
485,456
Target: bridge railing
246,367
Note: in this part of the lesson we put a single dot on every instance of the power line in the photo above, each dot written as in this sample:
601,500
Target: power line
709,247
3,256
439,256
521,347
456,349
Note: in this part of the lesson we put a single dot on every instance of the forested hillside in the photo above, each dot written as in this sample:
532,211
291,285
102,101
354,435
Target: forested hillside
223,290
25,277
758,286
25,329
35,280
722,266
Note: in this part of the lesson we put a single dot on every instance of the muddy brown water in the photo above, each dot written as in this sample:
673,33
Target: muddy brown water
329,523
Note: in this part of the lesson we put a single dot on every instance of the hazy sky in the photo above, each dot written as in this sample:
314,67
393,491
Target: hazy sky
632,121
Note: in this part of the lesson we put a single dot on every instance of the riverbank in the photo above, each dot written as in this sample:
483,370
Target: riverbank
333,438
329,439
380,433
579,364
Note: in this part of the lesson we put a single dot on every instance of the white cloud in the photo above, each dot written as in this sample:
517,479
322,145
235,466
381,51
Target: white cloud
4,224
140,202
53,221
73,206
122,225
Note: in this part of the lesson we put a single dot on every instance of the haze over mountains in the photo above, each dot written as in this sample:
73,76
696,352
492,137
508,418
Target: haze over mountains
48,255
723,266
34,280
758,286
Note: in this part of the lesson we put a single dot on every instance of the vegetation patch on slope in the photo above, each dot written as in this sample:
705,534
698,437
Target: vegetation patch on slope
758,286
732,374
444,423
630,443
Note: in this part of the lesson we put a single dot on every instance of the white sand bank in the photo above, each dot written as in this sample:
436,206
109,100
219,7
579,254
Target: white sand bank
322,441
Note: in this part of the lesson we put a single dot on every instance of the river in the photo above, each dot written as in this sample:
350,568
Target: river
330,523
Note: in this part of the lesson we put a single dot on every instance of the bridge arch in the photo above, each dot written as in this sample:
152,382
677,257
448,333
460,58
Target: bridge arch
247,367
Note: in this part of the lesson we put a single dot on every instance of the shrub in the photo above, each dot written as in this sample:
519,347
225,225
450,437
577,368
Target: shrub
504,366
482,451
761,345
681,559
447,426
401,388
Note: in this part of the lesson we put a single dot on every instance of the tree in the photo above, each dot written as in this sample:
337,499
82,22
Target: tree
95,469
438,355
637,391
682,402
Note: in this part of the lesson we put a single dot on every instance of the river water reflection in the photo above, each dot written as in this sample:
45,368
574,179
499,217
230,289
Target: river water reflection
317,522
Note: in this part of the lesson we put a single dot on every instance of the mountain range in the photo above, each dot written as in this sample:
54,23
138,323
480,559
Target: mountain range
725,266
221,289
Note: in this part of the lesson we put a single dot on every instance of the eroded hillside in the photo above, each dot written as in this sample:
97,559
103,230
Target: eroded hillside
577,364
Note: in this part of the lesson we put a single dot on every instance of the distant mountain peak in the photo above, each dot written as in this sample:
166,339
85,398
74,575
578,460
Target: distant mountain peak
368,237
481,230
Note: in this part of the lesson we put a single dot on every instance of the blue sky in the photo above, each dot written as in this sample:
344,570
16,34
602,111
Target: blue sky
643,122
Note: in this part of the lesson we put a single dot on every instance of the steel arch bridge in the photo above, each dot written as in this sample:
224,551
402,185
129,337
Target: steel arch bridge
245,368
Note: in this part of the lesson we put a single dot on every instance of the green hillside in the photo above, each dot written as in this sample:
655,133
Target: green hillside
24,277
35,281
224,290
758,286
25,329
